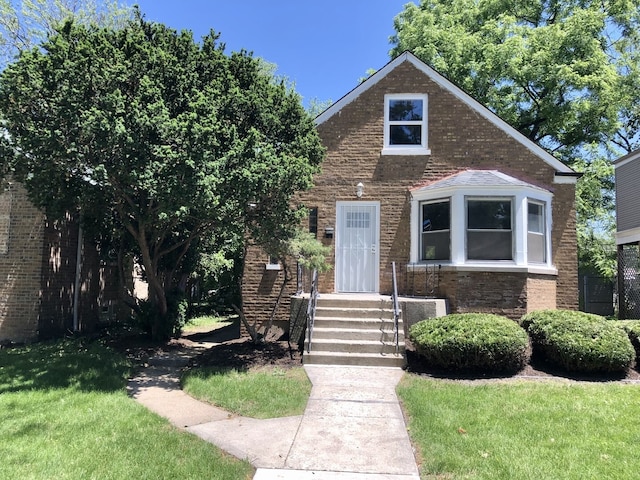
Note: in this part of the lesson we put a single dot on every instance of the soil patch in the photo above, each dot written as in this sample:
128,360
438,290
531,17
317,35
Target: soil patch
242,354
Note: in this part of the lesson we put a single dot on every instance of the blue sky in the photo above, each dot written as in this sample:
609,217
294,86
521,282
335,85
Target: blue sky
324,46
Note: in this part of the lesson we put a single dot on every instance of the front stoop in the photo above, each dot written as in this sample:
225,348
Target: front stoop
355,330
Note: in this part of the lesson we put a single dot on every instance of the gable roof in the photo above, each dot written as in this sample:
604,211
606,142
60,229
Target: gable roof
561,169
475,178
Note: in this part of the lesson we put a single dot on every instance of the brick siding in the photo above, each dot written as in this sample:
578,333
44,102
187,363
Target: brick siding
458,138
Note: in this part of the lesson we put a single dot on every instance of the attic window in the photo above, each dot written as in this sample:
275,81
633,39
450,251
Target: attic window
405,125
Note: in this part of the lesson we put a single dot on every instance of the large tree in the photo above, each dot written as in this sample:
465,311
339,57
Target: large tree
565,73
157,140
26,23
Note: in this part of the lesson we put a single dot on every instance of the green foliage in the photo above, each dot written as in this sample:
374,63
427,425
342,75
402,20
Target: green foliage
159,141
471,342
565,74
309,251
578,341
171,324
632,328
26,23
595,204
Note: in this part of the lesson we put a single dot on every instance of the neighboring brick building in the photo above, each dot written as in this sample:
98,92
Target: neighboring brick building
419,173
38,261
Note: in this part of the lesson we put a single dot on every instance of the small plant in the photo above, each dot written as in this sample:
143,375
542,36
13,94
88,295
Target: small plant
578,341
471,342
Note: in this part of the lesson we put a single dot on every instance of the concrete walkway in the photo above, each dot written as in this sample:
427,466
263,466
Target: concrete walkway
352,427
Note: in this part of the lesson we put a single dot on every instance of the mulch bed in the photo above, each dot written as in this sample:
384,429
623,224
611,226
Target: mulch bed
242,354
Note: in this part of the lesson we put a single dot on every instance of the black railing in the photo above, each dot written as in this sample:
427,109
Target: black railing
311,308
396,309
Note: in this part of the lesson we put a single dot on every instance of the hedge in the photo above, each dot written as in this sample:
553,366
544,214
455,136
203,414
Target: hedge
578,341
471,342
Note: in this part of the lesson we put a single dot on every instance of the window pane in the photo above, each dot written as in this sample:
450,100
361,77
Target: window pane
535,248
435,216
358,219
536,217
436,246
489,246
403,110
405,135
489,214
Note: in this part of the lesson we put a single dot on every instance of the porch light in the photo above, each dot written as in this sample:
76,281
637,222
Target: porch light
359,190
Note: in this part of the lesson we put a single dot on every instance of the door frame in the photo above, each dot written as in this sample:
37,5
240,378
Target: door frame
338,234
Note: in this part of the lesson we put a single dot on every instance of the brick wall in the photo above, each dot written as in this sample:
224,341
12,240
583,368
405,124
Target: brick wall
458,138
20,267
37,274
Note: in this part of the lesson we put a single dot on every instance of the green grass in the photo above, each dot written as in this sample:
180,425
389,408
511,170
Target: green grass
64,414
523,430
270,392
208,321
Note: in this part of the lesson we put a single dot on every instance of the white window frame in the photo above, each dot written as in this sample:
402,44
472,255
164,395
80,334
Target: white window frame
423,148
544,232
467,229
520,196
421,234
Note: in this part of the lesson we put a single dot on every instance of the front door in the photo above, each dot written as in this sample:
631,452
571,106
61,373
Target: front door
357,251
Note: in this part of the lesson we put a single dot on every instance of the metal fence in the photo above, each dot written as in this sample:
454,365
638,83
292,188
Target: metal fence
628,281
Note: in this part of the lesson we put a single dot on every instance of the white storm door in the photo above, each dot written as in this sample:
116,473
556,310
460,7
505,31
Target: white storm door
357,250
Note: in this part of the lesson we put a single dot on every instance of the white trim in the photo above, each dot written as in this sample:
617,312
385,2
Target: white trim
502,267
631,235
272,266
423,148
566,179
455,91
458,195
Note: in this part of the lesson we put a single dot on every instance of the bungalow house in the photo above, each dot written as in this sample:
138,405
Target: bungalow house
627,175
48,284
419,173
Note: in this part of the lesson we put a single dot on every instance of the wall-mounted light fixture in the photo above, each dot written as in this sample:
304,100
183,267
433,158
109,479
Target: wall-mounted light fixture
359,190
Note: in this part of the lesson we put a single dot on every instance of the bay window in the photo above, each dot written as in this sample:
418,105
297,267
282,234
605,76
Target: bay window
482,220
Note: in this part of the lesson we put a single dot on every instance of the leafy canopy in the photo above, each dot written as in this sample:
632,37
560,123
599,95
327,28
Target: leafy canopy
157,140
552,69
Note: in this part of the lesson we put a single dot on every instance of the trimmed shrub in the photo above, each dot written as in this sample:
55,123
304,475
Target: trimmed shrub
579,342
632,329
471,342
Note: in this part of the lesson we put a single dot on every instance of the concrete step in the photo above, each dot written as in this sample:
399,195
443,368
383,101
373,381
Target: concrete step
386,334
353,346
355,323
359,359
360,312
351,302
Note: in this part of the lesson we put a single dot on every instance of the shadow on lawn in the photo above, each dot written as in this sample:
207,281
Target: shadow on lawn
80,364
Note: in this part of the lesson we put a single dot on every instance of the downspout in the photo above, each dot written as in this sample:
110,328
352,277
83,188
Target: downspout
76,288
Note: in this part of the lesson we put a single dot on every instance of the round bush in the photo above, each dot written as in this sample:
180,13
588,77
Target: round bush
578,341
471,342
632,328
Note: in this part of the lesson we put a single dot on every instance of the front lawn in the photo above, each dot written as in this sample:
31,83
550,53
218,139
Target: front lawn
65,414
523,429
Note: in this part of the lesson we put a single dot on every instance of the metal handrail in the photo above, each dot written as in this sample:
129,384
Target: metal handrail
396,308
311,308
